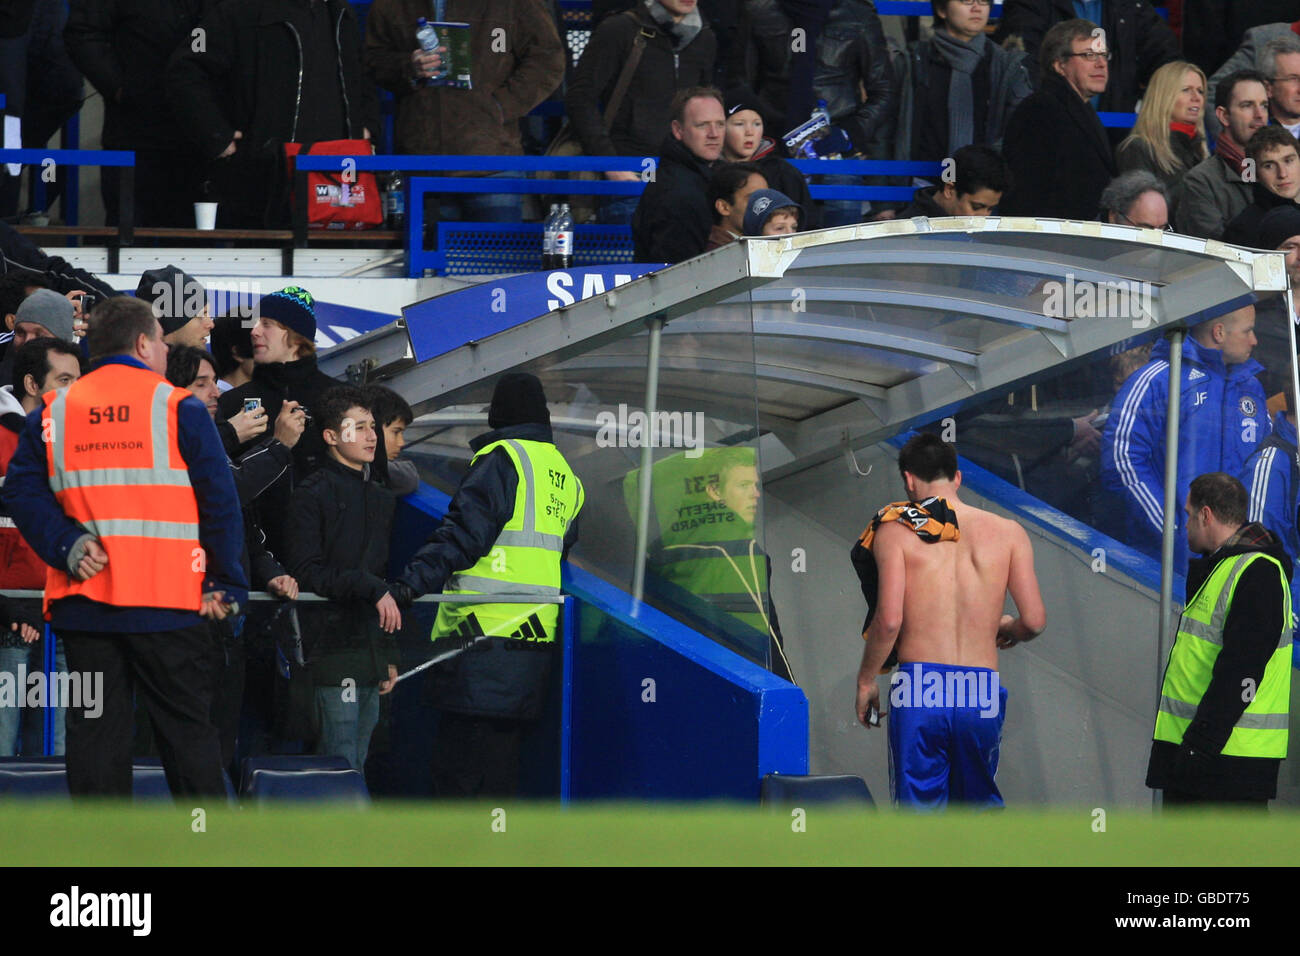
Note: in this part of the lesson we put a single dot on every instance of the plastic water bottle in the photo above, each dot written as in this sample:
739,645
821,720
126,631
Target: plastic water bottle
564,238
427,37
395,202
822,112
548,237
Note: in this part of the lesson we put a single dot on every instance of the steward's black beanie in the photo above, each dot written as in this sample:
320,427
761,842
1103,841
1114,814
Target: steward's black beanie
518,400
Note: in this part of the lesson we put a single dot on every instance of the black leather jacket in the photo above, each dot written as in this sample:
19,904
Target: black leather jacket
760,60
851,52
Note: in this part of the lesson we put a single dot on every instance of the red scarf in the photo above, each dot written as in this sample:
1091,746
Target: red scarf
1228,150
1187,129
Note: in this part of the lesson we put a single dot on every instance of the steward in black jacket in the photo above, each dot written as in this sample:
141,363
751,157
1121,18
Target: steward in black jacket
669,62
1059,154
1197,766
277,71
483,503
673,218
340,525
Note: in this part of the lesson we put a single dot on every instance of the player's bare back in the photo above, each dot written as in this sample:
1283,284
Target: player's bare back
956,590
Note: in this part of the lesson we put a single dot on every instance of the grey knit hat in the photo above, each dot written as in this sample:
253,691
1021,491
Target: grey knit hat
46,307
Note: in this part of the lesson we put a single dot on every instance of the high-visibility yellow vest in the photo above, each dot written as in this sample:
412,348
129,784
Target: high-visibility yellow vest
703,547
525,558
1262,729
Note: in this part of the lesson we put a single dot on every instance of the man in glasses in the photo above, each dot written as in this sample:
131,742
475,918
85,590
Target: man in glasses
1282,67
1136,198
1138,38
1058,151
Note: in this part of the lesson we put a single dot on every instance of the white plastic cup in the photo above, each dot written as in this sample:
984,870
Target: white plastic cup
205,215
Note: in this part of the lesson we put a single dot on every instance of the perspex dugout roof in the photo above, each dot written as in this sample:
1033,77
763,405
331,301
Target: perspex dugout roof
858,332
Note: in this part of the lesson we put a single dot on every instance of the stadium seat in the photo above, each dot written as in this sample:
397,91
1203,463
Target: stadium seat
784,790
311,786
288,762
45,783
32,763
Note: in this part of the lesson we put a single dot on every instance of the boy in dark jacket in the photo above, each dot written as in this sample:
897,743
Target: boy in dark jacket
339,527
392,417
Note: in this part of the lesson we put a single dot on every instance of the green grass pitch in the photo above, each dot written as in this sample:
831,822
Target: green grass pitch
36,833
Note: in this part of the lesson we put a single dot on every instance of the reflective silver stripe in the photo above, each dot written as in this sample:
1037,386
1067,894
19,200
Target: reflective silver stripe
1177,708
530,539
1186,711
469,582
1213,632
141,528
58,418
158,426
526,466
94,477
1205,632
1263,721
160,474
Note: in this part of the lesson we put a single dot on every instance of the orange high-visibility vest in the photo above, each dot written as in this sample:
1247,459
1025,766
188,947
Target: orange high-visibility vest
116,468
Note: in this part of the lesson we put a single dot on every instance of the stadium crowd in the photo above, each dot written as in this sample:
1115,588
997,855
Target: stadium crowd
207,95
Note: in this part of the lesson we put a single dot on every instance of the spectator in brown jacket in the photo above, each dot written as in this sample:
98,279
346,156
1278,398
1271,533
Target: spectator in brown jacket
517,61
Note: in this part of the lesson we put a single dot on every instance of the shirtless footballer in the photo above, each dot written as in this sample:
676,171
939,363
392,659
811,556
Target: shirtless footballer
942,603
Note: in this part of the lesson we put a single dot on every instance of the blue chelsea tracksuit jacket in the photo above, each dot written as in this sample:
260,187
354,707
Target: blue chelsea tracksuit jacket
1223,421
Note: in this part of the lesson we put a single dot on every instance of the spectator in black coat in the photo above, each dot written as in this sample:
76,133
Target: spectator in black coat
760,60
1139,40
1277,164
192,368
122,46
20,256
678,53
853,73
961,87
340,523
41,87
1058,151
284,369
269,72
745,142
673,219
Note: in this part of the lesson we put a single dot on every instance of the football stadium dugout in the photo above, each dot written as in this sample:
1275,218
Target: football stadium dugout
808,358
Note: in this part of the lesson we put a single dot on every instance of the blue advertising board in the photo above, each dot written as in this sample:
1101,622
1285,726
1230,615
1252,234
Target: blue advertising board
450,320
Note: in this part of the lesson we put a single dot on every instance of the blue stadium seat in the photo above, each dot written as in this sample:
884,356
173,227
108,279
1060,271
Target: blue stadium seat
46,782
32,763
288,762
148,781
310,786
781,789
47,776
